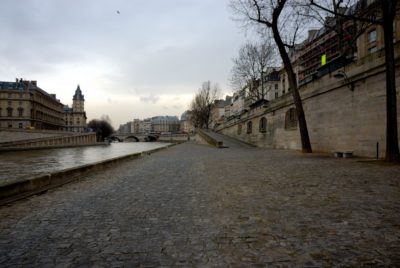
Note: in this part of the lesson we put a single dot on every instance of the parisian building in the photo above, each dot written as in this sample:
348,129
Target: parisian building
186,125
75,117
165,124
24,105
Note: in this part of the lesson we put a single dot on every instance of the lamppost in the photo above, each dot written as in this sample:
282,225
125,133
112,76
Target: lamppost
342,75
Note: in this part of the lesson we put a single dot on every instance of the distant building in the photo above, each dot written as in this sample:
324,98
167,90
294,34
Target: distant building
227,108
145,126
125,128
238,103
24,105
162,124
217,113
135,126
75,117
186,125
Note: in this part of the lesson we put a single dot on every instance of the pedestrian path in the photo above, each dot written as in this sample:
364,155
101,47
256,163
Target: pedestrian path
199,206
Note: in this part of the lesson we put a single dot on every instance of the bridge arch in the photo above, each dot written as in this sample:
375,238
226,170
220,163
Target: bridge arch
115,138
132,137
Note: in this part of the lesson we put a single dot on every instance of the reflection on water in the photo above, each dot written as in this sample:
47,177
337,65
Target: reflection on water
17,165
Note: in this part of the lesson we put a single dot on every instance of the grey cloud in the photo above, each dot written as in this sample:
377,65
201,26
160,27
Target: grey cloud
152,45
150,99
177,106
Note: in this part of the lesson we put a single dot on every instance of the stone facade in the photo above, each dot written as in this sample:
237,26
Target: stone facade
162,124
24,105
75,117
186,125
342,115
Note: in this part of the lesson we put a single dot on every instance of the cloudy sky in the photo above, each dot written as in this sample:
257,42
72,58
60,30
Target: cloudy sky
132,58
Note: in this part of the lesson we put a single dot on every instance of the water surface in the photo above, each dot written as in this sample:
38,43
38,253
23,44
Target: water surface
19,165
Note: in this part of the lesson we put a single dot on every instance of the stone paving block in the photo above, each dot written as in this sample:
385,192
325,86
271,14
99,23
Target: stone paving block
197,206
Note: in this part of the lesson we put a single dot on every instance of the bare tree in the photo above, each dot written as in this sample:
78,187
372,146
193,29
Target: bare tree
249,68
201,104
284,19
102,128
382,13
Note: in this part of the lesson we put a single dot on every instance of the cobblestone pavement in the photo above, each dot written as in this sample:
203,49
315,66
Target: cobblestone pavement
198,206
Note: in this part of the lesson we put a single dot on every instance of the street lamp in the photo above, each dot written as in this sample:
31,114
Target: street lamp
342,75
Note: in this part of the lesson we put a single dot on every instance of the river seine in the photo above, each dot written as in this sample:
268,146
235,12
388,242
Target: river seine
21,164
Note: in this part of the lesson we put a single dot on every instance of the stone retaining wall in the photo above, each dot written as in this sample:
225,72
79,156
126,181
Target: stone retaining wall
338,118
55,141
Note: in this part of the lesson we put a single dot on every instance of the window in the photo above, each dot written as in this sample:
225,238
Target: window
249,127
291,119
20,125
239,130
9,125
276,94
1,112
276,86
372,36
20,112
9,112
263,125
372,50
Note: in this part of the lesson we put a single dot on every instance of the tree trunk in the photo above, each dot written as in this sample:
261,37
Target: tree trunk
305,139
392,144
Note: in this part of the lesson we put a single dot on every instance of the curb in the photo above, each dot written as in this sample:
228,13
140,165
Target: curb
36,185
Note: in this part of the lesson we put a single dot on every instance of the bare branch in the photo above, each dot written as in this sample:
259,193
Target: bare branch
348,16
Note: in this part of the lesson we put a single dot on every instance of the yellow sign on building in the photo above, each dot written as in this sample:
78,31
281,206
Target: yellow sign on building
323,59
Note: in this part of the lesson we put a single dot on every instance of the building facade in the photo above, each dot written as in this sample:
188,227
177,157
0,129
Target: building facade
186,125
75,117
165,124
26,106
344,101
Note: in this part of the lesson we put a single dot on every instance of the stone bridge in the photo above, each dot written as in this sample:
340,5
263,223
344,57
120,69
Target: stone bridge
135,137
150,137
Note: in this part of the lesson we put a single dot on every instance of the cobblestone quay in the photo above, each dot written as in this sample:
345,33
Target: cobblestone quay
194,205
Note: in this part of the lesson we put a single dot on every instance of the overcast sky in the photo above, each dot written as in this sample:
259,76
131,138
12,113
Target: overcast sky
132,58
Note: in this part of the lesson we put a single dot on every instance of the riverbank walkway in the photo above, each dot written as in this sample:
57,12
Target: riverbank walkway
198,206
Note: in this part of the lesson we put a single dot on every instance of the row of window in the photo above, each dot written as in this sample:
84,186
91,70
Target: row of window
10,112
71,123
10,125
14,95
290,123
10,103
